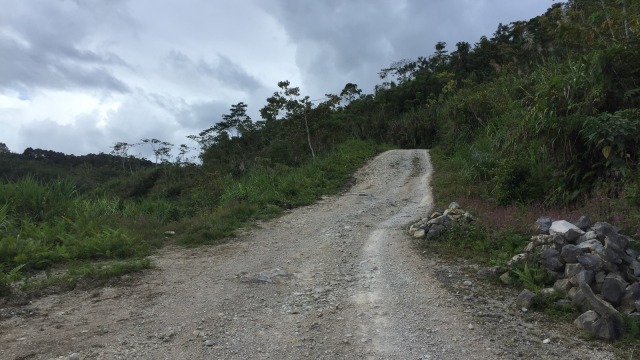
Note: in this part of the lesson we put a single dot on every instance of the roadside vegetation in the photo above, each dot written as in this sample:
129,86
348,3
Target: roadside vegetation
541,118
53,236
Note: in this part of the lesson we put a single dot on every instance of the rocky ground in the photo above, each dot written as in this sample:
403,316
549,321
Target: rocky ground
340,279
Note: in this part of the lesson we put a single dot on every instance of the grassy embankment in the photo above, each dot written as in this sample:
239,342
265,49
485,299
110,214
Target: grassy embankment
52,236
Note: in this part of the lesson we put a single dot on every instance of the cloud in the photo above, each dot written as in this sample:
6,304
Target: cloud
222,70
43,47
350,41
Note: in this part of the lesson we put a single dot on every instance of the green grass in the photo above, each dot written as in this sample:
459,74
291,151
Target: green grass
86,273
47,225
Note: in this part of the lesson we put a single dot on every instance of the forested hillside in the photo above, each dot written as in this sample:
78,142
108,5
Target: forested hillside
544,112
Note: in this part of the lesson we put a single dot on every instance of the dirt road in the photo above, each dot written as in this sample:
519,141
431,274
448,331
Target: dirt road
336,280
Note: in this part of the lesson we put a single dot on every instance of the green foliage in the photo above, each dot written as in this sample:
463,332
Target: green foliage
533,278
617,137
48,224
516,180
8,278
265,191
478,243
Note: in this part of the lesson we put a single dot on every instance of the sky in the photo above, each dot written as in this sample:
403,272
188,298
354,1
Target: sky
77,76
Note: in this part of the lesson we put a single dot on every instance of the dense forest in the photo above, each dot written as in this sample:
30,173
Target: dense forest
545,112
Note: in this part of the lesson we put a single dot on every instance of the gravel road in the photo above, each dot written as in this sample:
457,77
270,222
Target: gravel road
339,279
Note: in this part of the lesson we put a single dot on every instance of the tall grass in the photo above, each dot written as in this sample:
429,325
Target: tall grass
46,224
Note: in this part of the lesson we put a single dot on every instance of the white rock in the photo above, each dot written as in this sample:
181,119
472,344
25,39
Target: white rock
566,229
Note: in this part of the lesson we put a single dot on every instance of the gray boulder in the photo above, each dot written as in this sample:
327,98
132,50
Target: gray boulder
583,223
635,267
604,229
613,288
631,296
617,243
587,276
593,245
559,242
543,224
435,231
579,299
550,258
562,285
566,229
526,299
571,270
586,320
570,253
608,326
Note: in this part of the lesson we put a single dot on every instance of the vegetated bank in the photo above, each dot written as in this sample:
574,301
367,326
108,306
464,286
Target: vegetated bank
54,235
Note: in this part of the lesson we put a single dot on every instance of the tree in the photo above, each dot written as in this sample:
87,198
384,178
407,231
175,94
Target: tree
4,149
237,120
287,104
121,149
349,93
161,149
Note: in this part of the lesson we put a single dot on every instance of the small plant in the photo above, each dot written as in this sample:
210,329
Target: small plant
7,279
531,277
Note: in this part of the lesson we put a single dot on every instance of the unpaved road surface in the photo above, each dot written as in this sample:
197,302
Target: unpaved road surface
336,280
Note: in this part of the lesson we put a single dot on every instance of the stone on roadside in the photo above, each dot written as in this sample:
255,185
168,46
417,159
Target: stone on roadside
583,223
613,289
506,278
593,245
631,296
517,259
543,224
435,232
526,298
590,262
586,320
562,285
566,229
419,234
571,270
608,325
570,253
604,229
587,276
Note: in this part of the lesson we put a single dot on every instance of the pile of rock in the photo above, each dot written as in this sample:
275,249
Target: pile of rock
432,227
594,265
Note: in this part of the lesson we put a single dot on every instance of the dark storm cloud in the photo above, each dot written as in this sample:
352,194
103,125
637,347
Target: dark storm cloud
42,46
342,41
224,70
